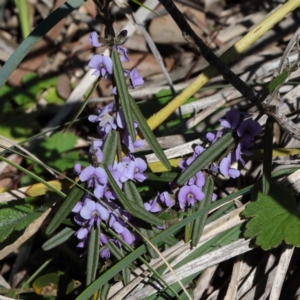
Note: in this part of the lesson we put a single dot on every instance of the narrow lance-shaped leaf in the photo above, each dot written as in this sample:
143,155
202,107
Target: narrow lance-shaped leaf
128,204
148,135
110,148
126,275
93,254
133,194
206,157
40,31
267,162
200,222
189,227
123,92
68,204
58,239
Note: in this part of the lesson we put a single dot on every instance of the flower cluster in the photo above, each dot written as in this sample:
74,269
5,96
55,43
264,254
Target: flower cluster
103,65
103,206
246,130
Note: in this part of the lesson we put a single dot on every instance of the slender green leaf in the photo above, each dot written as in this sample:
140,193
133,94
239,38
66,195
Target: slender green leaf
133,194
164,177
115,251
37,178
104,291
40,31
58,239
88,292
200,222
110,148
128,205
148,134
275,84
83,105
146,216
125,202
123,92
189,227
24,17
206,157
68,203
126,275
268,158
93,255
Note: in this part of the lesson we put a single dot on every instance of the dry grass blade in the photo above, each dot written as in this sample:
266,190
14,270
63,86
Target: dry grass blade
235,277
180,250
197,265
28,153
281,272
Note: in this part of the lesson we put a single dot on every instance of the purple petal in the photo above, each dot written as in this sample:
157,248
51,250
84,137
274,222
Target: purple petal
102,211
249,126
108,64
224,166
234,173
127,236
197,192
93,39
77,168
210,136
87,173
99,191
87,210
123,53
135,79
200,179
77,207
101,175
104,253
118,227
82,233
96,62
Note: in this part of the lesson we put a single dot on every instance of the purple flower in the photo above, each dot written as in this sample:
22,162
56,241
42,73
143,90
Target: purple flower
166,199
198,179
102,64
126,170
214,167
135,79
250,127
102,112
212,137
123,53
153,206
232,119
118,226
225,167
95,151
93,39
188,194
139,167
94,212
78,168
104,252
116,173
93,176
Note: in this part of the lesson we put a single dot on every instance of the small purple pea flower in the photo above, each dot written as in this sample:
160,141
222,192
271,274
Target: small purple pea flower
103,65
188,194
